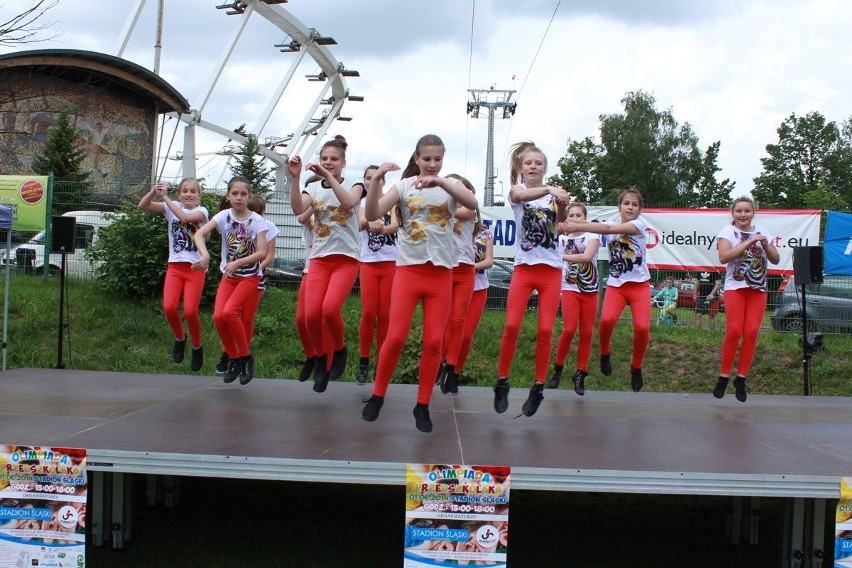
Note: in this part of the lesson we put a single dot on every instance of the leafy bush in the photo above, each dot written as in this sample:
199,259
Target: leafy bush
133,253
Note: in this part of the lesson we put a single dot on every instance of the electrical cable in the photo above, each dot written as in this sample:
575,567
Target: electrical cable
469,74
177,125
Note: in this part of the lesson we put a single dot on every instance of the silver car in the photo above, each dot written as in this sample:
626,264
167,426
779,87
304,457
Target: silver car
829,305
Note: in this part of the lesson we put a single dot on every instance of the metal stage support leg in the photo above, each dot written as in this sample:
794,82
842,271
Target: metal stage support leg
751,522
743,520
733,520
171,491
804,533
99,516
122,497
153,490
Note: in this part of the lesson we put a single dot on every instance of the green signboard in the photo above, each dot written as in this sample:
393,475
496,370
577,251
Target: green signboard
28,196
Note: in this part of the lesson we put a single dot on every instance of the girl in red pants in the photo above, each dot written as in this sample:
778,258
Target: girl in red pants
745,248
628,279
484,246
335,254
464,275
538,266
243,248
379,250
258,205
182,221
579,299
424,266
305,220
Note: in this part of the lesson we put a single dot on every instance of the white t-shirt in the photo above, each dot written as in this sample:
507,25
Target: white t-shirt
463,239
238,240
537,231
628,258
480,280
428,217
749,269
335,228
271,232
578,276
181,246
379,247
307,241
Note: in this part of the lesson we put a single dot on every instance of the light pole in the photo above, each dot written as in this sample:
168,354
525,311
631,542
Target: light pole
491,99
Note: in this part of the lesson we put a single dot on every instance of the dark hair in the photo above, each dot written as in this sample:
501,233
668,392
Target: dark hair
581,206
338,142
479,224
627,190
742,199
412,169
370,167
311,180
516,156
257,204
224,203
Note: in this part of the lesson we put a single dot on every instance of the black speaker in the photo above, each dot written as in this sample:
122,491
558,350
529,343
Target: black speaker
807,265
63,229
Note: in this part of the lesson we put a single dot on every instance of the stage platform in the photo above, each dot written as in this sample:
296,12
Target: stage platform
180,425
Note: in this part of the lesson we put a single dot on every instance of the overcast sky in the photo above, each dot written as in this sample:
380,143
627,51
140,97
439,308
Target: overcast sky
733,70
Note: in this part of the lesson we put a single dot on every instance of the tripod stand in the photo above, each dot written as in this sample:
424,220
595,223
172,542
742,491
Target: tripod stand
62,322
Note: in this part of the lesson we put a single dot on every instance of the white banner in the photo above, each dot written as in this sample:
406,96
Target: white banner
681,239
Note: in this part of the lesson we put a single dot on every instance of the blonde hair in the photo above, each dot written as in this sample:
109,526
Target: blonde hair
516,157
742,199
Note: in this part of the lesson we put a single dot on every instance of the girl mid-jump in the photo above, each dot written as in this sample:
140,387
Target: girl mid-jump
745,248
424,266
181,280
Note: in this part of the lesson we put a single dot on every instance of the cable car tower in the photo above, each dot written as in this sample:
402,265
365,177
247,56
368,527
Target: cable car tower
493,100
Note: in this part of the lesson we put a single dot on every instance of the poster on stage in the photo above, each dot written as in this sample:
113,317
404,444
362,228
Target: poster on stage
27,197
456,515
843,526
681,239
42,506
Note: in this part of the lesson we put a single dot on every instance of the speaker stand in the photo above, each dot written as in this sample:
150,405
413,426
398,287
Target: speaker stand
62,323
806,352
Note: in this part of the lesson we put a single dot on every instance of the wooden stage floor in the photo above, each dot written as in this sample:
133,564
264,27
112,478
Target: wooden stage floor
786,446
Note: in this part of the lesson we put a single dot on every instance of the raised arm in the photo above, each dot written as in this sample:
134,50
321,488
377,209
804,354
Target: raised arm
200,240
587,255
347,199
147,202
378,204
599,228
299,201
455,188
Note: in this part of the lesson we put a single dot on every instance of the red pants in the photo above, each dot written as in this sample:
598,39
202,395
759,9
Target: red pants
474,313
463,280
433,284
302,321
181,279
638,296
526,278
231,298
744,309
578,309
376,283
330,280
249,311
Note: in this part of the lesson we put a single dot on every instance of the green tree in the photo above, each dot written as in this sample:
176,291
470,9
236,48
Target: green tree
647,148
810,166
64,159
250,165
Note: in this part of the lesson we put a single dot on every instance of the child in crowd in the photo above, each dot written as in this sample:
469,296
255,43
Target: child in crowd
182,220
258,205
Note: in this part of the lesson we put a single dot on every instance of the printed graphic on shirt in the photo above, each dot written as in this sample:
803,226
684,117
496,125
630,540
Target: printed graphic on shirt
539,227
751,265
583,275
439,214
480,243
341,215
377,241
321,230
624,255
240,239
182,236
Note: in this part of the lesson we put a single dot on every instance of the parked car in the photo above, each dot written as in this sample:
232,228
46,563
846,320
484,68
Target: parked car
30,256
829,305
285,272
499,278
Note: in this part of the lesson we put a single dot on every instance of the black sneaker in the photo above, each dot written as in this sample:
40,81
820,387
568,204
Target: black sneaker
421,417
338,364
179,350
307,369
721,386
235,367
501,395
553,383
740,389
321,374
453,381
636,379
606,365
533,400
446,379
247,373
197,358
363,371
579,381
222,365
372,408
